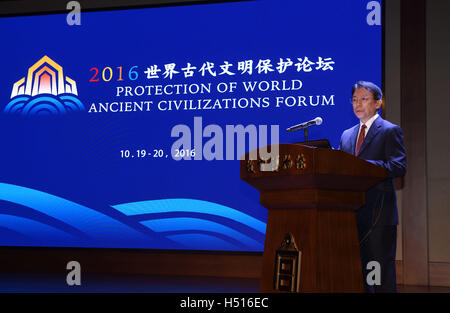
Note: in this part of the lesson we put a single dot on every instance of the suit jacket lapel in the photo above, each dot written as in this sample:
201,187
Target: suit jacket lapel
353,138
373,131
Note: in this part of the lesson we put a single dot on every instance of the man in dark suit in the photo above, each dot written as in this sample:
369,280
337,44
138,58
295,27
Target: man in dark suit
379,142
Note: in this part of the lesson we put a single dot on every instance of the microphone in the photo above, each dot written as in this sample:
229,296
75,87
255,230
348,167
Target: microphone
316,121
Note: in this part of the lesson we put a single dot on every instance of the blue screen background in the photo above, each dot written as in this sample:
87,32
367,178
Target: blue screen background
63,181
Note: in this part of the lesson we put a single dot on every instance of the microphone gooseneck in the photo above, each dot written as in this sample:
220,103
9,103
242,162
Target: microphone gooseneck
316,121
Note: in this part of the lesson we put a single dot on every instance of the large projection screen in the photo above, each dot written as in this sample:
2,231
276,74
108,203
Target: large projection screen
126,131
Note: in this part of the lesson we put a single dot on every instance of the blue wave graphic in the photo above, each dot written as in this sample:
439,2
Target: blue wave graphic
30,217
36,230
181,219
190,205
95,228
169,225
44,105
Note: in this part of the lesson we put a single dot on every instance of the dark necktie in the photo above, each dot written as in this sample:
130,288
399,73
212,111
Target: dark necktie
360,139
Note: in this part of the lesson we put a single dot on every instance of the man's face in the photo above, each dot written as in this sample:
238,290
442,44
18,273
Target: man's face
364,105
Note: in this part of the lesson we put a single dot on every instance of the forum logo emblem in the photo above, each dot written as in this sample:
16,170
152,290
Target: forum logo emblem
44,91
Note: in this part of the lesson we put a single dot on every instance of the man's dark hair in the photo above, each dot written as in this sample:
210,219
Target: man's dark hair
374,89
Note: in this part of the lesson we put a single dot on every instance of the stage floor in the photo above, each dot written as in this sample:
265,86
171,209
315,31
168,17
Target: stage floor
20,282
56,283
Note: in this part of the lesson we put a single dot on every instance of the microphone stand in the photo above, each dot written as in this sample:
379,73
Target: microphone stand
305,126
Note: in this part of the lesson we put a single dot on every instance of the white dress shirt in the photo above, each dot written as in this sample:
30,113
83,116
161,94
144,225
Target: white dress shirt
368,124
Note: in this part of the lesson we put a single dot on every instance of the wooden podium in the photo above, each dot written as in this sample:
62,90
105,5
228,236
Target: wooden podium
311,194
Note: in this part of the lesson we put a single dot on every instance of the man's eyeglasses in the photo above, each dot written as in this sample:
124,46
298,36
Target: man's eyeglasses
363,100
